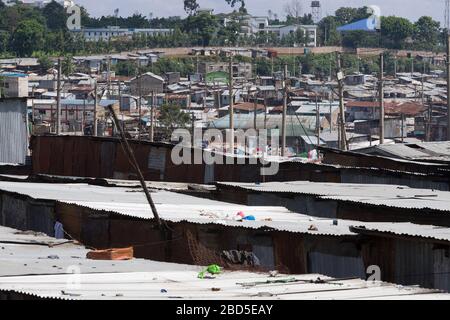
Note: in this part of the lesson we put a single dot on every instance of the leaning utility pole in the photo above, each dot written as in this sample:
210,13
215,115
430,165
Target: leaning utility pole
448,86
134,163
340,79
285,99
231,104
381,98
58,99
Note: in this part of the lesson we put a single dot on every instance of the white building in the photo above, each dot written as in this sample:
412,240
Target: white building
281,31
110,32
252,25
42,3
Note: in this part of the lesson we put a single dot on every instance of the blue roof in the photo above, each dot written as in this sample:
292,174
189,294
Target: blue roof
13,74
369,24
102,103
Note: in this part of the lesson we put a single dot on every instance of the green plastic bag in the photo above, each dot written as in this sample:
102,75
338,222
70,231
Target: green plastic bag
212,269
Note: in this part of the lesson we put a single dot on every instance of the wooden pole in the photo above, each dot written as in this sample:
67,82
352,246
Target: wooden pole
381,98
318,122
83,121
283,120
152,121
132,158
58,99
139,102
255,107
403,128
109,77
265,110
231,104
340,78
95,110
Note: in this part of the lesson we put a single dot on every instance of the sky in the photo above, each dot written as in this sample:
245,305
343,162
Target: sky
411,9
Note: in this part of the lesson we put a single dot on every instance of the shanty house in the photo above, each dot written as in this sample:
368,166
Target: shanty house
146,84
13,85
13,130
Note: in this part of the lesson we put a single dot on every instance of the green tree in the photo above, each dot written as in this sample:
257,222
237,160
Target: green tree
427,33
328,34
4,41
67,66
45,62
171,117
347,15
190,6
55,15
125,68
229,34
9,18
395,30
203,25
28,37
357,39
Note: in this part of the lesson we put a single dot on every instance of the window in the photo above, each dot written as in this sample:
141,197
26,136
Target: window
43,112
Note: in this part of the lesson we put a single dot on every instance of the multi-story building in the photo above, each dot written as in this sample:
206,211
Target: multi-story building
111,32
252,25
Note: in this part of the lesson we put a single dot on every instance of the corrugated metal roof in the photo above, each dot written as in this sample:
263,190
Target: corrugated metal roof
30,253
407,229
229,286
379,195
441,148
131,202
419,151
296,125
40,266
402,151
194,210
